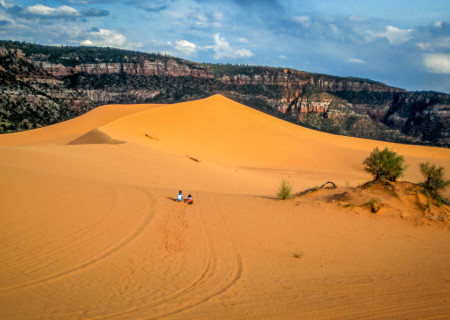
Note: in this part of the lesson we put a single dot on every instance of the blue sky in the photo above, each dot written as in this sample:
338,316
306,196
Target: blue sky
401,43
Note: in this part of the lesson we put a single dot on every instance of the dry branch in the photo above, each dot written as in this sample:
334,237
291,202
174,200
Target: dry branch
331,184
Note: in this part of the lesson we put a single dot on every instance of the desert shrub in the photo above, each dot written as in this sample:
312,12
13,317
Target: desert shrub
434,179
374,204
285,190
384,165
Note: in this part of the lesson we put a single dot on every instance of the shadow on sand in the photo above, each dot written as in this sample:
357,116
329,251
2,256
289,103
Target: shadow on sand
268,197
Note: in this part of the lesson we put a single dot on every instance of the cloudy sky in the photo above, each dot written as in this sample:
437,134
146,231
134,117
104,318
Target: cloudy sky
403,43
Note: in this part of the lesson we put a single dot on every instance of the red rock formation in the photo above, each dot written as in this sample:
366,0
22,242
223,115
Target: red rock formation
144,68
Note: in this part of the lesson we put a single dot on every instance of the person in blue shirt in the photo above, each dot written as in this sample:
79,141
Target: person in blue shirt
180,196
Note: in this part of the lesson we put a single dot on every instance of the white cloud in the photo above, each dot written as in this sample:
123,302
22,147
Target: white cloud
44,11
424,45
243,53
222,49
433,44
179,48
243,40
356,60
202,18
218,15
105,38
86,43
5,4
304,20
437,63
394,35
185,47
334,29
4,18
218,18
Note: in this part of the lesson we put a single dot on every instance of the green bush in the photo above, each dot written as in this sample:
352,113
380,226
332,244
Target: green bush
285,190
434,179
384,165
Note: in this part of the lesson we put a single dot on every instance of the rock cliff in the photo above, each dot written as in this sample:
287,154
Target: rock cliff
30,97
144,68
41,85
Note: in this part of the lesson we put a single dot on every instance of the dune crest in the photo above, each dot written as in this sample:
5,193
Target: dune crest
64,132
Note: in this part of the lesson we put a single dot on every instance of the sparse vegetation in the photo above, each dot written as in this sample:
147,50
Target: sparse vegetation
285,190
374,205
434,181
384,165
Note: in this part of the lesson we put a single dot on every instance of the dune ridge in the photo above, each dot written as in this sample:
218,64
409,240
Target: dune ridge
90,229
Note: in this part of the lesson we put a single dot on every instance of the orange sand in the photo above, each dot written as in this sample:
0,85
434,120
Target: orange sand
89,228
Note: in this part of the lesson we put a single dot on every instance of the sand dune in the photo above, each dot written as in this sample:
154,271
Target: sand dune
90,228
69,130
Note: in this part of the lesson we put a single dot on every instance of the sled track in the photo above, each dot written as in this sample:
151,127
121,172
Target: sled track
99,256
85,233
215,259
222,268
173,229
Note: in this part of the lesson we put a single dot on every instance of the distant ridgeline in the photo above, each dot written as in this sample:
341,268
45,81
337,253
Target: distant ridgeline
42,85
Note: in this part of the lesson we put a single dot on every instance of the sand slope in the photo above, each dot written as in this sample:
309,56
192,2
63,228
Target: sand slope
89,228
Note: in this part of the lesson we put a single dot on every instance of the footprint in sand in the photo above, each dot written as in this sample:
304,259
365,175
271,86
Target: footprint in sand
173,229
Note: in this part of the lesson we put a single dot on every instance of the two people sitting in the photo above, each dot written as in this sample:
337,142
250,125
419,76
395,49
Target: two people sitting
189,199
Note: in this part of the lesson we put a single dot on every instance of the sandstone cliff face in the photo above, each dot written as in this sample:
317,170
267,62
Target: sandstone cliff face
296,102
30,97
300,106
105,97
355,86
290,80
293,80
144,68
43,85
